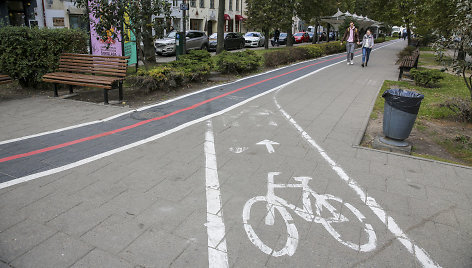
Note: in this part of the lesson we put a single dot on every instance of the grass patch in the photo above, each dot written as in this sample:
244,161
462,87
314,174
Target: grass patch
449,135
426,49
450,86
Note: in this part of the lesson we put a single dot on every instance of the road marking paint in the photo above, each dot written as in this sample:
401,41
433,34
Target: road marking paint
238,150
194,106
269,145
155,137
388,221
156,104
217,251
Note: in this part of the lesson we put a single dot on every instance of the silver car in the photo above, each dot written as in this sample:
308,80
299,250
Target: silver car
254,39
194,40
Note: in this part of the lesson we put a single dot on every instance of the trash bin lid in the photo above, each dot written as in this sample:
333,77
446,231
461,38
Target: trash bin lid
403,100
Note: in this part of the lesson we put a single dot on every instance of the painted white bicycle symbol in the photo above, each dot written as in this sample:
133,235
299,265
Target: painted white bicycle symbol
321,202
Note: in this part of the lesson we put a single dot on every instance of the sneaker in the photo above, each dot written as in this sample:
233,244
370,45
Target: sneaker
351,63
362,65
348,63
366,64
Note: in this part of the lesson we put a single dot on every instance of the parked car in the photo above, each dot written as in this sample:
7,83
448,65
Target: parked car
311,34
254,39
301,37
194,40
232,41
282,39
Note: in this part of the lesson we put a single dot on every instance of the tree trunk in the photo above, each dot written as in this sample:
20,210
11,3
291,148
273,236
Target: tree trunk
315,36
408,31
266,41
289,37
327,34
149,50
221,27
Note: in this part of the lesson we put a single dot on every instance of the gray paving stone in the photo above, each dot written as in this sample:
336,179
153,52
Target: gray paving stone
60,250
115,233
79,219
193,256
164,214
155,248
100,258
49,207
459,199
390,202
22,237
404,188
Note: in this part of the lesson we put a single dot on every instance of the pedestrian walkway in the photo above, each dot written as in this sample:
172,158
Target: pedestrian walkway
199,196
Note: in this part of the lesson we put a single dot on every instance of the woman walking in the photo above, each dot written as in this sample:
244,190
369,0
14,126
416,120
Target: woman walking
367,44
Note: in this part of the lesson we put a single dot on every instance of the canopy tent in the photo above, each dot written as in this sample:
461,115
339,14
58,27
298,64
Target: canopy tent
337,19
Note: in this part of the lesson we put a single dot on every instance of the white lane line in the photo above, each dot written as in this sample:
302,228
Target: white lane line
160,103
217,251
388,221
155,137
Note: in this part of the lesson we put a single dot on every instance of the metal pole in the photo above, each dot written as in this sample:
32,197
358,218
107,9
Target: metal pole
184,27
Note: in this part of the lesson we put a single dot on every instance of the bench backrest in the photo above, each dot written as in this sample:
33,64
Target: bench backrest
91,64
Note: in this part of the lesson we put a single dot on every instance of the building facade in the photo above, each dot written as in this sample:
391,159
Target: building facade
202,14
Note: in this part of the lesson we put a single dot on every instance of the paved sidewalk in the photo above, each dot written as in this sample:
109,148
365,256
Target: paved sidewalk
152,206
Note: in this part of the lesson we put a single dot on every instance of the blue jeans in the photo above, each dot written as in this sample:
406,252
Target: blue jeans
350,46
366,54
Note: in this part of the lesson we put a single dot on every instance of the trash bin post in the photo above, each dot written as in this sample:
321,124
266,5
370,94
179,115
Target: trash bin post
400,111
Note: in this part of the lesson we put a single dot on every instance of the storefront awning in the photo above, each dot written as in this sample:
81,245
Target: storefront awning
239,17
227,17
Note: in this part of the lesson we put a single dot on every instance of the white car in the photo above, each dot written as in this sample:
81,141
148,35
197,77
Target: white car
254,39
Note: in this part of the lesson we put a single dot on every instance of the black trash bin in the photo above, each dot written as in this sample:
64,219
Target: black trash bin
400,111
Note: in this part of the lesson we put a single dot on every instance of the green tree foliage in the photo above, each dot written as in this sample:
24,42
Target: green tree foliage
140,14
460,40
311,11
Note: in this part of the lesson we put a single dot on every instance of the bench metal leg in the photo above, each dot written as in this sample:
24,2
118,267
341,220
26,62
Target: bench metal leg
120,91
55,90
105,96
71,89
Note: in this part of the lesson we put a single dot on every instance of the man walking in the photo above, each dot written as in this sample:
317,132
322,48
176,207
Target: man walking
352,37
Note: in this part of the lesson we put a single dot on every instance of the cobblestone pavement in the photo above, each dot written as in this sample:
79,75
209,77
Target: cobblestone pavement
275,181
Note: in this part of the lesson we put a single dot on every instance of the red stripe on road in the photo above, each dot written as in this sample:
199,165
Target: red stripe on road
104,134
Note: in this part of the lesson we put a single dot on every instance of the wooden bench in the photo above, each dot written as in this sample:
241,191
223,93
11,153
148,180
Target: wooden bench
408,62
105,72
5,79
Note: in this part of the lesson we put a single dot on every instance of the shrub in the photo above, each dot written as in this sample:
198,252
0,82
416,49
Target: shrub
315,51
238,62
462,108
29,53
426,77
333,47
194,66
286,56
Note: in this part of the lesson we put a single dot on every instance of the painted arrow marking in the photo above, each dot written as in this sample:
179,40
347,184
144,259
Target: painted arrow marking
268,144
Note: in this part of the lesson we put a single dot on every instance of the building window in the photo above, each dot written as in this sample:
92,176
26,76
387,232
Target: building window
77,22
212,4
230,4
202,3
174,3
193,3
237,5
